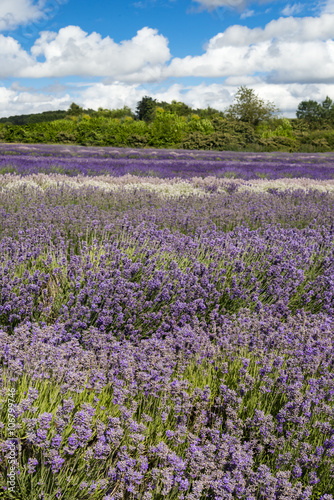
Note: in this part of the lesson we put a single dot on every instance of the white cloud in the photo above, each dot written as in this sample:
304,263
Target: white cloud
16,12
117,95
12,57
231,4
214,4
111,96
286,50
328,7
16,102
247,13
68,51
291,10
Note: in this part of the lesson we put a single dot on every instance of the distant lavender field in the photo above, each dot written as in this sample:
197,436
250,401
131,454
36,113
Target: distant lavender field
75,160
166,325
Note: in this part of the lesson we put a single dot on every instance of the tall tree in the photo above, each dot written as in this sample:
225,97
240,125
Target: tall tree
145,109
328,109
249,108
74,110
310,111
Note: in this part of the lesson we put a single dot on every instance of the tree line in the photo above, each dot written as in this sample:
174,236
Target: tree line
249,124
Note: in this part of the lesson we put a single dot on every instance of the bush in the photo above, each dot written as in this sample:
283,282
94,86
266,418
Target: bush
137,141
65,137
279,144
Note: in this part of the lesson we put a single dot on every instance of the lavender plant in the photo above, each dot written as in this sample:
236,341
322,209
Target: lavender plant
176,347
92,161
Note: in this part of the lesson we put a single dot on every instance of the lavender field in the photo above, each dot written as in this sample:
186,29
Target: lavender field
166,324
25,159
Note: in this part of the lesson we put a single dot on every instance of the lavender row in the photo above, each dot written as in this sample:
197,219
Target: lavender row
166,188
155,281
252,418
76,160
168,348
129,273
86,208
62,150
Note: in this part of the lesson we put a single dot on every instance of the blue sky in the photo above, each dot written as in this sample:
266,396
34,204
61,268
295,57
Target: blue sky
111,54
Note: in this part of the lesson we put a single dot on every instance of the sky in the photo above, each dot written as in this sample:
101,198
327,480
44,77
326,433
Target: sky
111,53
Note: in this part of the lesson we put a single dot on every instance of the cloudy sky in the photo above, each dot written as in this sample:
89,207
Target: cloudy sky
111,53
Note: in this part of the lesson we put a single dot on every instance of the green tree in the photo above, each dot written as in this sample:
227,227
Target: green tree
115,113
316,114
74,110
328,109
327,104
146,108
249,108
179,108
167,129
208,112
310,111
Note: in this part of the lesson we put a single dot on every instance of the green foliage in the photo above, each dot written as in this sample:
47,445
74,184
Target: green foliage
145,109
74,110
316,114
208,113
137,141
277,127
215,141
322,140
177,107
279,143
310,111
249,108
46,116
248,124
167,128
115,113
196,124
328,108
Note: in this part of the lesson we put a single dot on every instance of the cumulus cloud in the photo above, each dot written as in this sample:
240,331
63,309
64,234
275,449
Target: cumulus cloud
286,50
67,52
117,95
111,96
16,12
16,102
12,57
